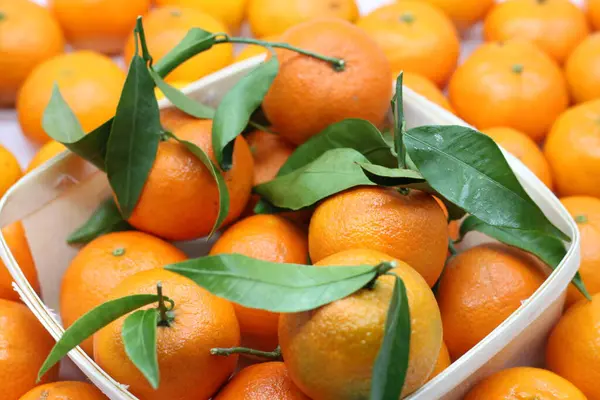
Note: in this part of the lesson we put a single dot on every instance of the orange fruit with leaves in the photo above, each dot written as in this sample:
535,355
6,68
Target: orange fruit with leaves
354,327
229,12
499,81
593,9
573,150
14,234
416,37
555,26
425,88
268,380
104,263
268,238
25,344
573,349
443,362
273,17
165,27
253,50
89,82
409,227
524,383
11,170
582,70
49,150
180,200
99,25
305,87
64,391
29,35
586,213
525,149
201,321
480,288
463,13
270,152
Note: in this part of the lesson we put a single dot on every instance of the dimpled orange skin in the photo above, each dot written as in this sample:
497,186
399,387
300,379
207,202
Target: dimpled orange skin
100,25
330,351
573,150
188,371
500,80
413,34
463,13
65,391
14,234
524,383
104,263
28,36
273,17
586,213
269,238
308,94
593,9
165,27
573,349
555,26
89,82
410,227
25,345
480,288
582,70
180,200
425,88
521,146
443,362
268,380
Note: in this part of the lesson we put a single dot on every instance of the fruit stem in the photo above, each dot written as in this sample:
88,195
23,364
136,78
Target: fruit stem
337,63
380,269
518,68
163,318
2,16
260,127
581,219
274,355
139,29
451,247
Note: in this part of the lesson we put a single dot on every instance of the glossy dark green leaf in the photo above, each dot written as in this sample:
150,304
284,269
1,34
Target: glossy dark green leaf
391,365
332,172
181,101
134,137
357,134
106,218
139,340
468,169
194,42
216,174
399,123
390,176
549,249
92,322
271,286
237,107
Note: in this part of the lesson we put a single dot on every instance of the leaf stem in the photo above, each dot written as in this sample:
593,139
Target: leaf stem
260,127
139,29
451,247
400,122
337,63
163,317
380,269
274,355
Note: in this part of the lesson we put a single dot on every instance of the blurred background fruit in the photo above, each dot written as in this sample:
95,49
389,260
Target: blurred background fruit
166,26
593,7
99,25
89,82
14,234
10,171
252,50
555,26
512,84
65,391
229,12
463,13
29,35
582,70
425,88
273,17
50,149
413,34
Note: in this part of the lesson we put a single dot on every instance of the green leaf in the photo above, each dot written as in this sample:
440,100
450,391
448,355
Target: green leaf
134,137
391,176
194,42
107,218
400,123
467,168
357,134
139,339
237,107
214,171
272,286
61,124
334,171
391,365
180,100
549,249
92,322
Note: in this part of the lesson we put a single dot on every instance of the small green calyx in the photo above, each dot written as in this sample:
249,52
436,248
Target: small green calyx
518,68
581,219
166,316
407,17
118,252
2,16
